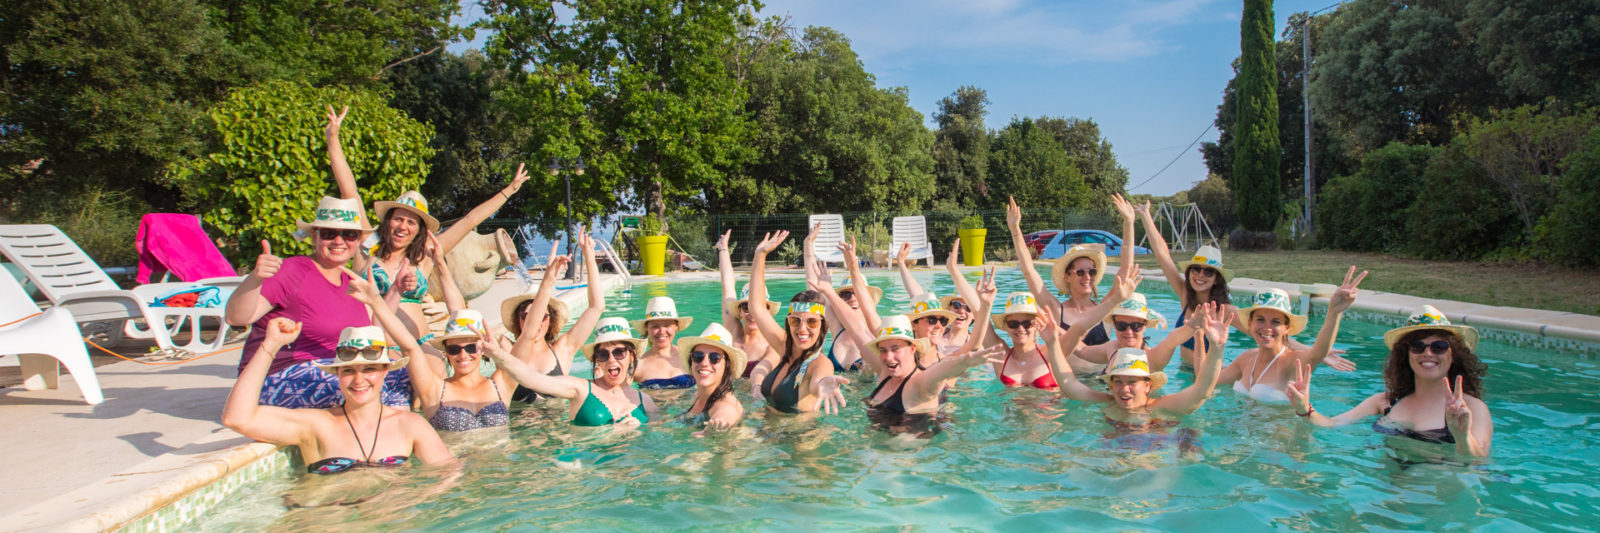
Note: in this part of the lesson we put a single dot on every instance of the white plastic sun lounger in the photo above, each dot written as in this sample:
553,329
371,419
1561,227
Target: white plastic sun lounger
911,230
829,235
41,341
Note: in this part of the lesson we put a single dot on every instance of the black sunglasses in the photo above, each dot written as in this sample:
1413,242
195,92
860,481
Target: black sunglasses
936,320
618,353
1202,271
329,234
744,308
456,349
846,295
1438,347
1019,324
1129,326
696,357
958,305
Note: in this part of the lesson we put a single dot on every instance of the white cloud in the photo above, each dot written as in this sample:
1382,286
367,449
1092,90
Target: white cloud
902,33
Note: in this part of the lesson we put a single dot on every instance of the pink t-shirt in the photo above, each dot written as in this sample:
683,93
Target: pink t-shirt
299,292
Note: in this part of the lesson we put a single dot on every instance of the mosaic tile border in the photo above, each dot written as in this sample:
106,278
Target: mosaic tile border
180,514
1515,338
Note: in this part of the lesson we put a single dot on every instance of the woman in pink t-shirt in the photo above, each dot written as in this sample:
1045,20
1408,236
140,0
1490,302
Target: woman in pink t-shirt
311,290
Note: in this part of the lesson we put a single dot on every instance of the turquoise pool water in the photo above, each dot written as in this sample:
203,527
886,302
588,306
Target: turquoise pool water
1008,459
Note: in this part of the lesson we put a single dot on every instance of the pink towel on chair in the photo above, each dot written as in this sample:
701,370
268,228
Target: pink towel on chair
174,242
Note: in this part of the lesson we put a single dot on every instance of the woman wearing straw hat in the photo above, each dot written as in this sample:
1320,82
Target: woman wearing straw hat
607,399
1131,378
351,434
713,362
399,260
659,367
736,314
794,385
1076,274
854,295
941,320
1262,373
1130,320
311,290
1433,385
535,320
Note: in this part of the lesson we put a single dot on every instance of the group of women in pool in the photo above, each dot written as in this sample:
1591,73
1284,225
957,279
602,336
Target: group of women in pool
339,336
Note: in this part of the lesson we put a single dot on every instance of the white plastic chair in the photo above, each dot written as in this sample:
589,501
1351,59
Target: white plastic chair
829,235
41,341
71,280
911,230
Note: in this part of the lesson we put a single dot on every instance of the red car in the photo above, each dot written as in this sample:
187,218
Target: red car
1038,239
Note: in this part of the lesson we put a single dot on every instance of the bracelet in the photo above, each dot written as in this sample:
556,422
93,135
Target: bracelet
1308,413
503,193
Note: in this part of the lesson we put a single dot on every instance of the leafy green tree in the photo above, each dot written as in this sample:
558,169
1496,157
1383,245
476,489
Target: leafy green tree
961,150
826,135
1030,165
350,42
1368,210
1538,49
1256,149
1522,150
639,88
1215,201
267,165
1566,235
1090,154
100,95
1460,213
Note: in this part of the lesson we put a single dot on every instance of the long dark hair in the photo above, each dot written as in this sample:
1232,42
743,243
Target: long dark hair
789,355
1399,381
724,388
416,251
1219,291
550,333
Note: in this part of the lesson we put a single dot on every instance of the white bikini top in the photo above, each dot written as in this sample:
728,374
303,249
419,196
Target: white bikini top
1259,391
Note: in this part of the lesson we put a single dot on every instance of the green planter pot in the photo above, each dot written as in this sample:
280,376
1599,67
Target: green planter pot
972,246
653,254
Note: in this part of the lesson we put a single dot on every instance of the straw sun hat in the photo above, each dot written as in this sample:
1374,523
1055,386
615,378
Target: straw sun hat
363,345
463,324
714,335
613,329
1135,307
411,201
335,213
1430,317
508,313
1095,252
661,308
1276,300
744,295
1018,303
1133,362
1207,257
929,305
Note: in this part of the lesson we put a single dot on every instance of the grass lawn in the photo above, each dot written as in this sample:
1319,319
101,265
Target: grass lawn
1532,286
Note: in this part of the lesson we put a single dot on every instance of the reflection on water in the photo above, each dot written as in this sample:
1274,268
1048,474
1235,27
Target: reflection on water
1004,459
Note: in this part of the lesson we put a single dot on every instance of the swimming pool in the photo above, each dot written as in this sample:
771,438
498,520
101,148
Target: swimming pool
1007,459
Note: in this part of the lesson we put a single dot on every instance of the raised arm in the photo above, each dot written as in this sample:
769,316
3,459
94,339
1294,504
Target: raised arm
1161,354
244,413
453,300
341,168
855,327
769,327
730,318
858,282
245,305
913,289
597,300
963,289
567,387
1299,391
1126,210
425,380
1338,302
453,235
1158,244
984,297
1025,258
808,254
1208,342
1059,367
531,335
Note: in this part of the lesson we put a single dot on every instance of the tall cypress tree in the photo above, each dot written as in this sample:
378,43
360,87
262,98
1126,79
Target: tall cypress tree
1255,147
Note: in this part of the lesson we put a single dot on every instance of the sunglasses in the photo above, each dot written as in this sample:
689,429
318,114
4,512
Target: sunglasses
369,354
1206,272
619,353
1129,326
329,234
744,308
795,322
456,349
847,295
1019,324
936,320
696,357
1086,272
1438,347
958,305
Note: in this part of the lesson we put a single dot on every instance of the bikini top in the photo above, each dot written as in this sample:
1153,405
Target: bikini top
527,395
894,404
1389,426
335,465
1258,391
453,418
380,278
1096,336
594,412
1047,381
784,395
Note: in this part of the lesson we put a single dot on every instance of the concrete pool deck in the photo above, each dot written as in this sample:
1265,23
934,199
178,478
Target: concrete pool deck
157,437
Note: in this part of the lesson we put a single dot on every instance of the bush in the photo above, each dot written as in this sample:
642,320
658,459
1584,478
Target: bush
103,222
1243,239
870,234
1215,201
1459,213
650,226
267,164
1367,210
1566,235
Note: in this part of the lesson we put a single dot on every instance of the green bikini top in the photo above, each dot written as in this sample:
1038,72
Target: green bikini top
594,412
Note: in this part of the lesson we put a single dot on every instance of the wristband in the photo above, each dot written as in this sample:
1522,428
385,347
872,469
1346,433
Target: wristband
1308,413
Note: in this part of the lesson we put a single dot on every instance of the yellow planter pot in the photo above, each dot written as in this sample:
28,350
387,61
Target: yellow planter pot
972,246
653,254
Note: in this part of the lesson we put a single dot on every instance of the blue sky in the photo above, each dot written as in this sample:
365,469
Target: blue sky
1150,72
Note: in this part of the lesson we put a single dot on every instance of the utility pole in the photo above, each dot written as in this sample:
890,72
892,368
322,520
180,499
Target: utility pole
1305,101
557,167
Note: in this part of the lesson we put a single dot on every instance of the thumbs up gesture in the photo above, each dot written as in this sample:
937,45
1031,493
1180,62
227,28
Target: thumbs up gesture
267,264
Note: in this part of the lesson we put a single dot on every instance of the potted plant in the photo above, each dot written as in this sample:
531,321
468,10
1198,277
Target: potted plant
652,243
972,233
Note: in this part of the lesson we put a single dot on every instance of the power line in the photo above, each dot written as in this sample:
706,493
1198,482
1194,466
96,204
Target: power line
1175,159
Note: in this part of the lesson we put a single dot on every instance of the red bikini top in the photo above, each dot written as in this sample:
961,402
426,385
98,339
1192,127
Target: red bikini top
1047,381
